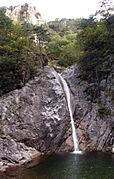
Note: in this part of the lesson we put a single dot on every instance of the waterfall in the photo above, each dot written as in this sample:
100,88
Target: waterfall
68,98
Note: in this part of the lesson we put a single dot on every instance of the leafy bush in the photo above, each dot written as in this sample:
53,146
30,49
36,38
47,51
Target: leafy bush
103,111
63,49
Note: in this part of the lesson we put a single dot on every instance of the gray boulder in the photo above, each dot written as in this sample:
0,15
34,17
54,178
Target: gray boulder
34,120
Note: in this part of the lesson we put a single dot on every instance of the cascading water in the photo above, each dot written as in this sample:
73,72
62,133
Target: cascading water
67,93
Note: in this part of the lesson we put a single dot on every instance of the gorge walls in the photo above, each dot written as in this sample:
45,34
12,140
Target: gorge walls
94,120
36,120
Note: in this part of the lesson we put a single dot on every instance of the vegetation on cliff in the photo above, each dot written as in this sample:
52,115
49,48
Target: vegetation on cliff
18,63
91,45
96,43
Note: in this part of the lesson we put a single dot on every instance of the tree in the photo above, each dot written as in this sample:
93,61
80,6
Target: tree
94,44
16,68
5,27
63,49
95,51
91,22
42,36
106,7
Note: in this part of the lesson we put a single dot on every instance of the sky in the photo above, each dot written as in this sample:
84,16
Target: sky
51,9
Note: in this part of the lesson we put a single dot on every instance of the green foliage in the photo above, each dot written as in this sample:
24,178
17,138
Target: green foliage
63,49
23,12
65,26
5,27
17,63
90,91
9,78
67,41
106,9
91,22
95,46
103,111
42,36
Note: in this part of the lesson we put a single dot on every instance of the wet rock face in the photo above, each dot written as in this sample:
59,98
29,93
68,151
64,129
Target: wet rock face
94,132
35,116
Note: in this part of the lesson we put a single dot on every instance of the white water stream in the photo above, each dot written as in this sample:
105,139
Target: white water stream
68,98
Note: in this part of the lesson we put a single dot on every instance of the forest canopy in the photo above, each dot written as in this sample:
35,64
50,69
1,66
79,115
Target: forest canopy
87,42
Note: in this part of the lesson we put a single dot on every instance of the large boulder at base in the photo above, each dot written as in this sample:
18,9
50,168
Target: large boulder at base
34,120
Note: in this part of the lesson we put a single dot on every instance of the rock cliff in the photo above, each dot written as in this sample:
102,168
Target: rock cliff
25,13
33,120
94,121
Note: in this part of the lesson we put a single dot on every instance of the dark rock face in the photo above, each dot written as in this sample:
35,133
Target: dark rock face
95,131
34,119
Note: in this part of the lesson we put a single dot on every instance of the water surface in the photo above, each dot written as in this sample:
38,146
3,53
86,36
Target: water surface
91,165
